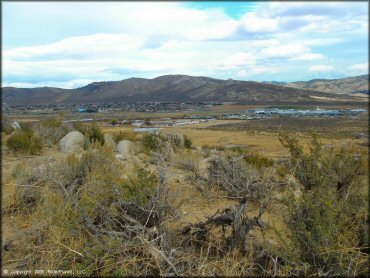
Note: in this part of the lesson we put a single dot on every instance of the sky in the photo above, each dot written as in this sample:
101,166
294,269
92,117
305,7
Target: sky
71,44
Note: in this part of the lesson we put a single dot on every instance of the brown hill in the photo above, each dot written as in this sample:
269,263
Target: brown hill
349,85
169,88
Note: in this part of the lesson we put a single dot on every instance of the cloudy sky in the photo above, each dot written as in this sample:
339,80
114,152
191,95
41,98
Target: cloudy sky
65,44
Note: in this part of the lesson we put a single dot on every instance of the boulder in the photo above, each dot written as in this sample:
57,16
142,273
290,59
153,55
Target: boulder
108,141
126,149
119,157
73,142
15,125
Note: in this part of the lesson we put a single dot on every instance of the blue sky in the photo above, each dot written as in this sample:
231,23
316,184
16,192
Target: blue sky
70,44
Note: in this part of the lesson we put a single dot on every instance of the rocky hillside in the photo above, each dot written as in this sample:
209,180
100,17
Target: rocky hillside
350,85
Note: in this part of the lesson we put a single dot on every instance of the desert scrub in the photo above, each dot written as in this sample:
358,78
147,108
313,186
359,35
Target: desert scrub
220,148
187,142
189,163
151,142
88,217
328,222
24,141
139,187
85,216
238,179
125,135
51,130
254,158
91,132
175,139
114,121
206,149
5,124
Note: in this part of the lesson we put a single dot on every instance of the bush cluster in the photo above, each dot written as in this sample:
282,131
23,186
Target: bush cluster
24,141
51,130
187,142
256,159
5,124
125,135
114,121
189,163
92,132
328,223
82,214
151,142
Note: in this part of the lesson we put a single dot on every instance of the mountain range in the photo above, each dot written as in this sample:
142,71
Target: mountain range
184,88
350,85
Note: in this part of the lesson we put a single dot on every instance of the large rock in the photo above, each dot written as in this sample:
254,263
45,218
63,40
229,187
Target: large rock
126,149
73,142
15,125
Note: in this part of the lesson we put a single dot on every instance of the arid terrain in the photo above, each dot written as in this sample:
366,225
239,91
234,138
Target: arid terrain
42,227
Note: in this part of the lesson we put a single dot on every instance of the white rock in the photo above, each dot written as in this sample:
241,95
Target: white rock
126,149
15,125
73,142
119,157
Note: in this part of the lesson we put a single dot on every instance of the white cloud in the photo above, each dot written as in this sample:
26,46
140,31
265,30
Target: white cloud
321,68
256,70
238,59
359,67
285,50
76,83
253,23
310,57
148,39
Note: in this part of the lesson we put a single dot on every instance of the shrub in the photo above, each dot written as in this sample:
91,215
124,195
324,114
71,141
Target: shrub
5,124
257,160
190,164
18,142
92,132
206,147
126,135
51,122
238,179
175,139
35,144
147,122
187,142
24,141
51,130
151,142
86,205
206,150
139,188
113,121
95,134
80,127
220,148
328,223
